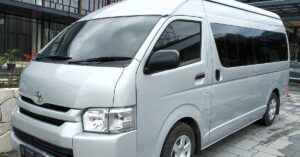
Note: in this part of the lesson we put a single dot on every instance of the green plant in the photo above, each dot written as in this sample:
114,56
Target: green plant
9,57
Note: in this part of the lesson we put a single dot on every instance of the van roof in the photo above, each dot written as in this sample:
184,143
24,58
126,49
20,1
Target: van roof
246,7
162,7
136,7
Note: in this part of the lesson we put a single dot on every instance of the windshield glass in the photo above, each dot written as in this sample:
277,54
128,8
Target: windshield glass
111,37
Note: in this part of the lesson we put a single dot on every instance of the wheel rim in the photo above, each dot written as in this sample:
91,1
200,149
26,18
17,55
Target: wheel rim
272,109
182,147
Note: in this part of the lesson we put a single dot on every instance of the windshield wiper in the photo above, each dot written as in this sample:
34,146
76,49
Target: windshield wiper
60,58
100,60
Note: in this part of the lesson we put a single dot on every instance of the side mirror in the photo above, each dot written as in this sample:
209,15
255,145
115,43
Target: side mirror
162,60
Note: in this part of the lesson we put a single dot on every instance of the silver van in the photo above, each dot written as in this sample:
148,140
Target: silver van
152,78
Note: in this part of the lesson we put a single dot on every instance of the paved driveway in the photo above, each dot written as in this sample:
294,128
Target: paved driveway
280,139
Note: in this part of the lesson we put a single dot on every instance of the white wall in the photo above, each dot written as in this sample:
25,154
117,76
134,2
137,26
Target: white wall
8,98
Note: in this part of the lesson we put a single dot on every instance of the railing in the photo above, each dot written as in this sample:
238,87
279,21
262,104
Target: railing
82,7
65,5
92,5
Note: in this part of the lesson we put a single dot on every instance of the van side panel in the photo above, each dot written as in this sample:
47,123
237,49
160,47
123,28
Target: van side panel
242,94
234,101
270,76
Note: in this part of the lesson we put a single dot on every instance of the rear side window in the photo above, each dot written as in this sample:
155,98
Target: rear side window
184,36
270,46
239,46
235,45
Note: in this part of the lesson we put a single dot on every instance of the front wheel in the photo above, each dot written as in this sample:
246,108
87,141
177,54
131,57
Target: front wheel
271,112
180,142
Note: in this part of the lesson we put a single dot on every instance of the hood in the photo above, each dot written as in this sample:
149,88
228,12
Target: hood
71,86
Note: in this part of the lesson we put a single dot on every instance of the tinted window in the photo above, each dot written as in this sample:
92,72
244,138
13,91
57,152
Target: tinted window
184,36
111,37
239,46
270,46
234,44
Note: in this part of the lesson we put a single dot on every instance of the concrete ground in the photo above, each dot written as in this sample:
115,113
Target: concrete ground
280,139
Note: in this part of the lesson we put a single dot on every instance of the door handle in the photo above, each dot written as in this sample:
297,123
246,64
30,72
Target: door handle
218,74
200,76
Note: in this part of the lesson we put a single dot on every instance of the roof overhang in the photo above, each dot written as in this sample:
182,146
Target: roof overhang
288,10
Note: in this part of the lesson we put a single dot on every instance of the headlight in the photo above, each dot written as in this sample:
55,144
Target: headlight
113,120
96,120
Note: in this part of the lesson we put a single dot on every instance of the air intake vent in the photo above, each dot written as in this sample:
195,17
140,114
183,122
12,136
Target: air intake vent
42,118
47,106
42,145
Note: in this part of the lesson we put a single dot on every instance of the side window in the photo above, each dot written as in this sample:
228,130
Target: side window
239,46
270,46
184,36
260,47
278,43
234,44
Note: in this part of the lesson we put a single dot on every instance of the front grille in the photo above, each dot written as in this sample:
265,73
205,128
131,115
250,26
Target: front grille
47,106
42,118
42,145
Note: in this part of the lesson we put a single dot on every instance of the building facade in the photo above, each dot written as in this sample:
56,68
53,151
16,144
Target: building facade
28,25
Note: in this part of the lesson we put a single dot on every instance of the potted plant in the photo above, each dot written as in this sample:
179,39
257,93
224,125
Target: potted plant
27,57
10,58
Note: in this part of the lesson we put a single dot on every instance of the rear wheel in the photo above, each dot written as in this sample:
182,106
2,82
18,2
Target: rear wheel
271,112
180,142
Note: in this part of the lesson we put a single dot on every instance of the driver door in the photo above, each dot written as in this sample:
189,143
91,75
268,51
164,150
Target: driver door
161,94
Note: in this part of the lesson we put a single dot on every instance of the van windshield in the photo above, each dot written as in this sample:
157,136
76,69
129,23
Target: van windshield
110,39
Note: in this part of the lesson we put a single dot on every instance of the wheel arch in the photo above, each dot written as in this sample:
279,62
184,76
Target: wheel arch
274,88
191,122
188,114
276,91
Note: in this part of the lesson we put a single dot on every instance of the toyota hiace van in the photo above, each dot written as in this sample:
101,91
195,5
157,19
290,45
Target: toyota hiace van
152,78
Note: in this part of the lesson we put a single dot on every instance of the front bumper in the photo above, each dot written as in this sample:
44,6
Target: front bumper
94,145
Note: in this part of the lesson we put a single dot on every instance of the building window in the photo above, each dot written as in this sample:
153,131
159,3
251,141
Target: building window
17,34
2,32
51,30
26,34
72,6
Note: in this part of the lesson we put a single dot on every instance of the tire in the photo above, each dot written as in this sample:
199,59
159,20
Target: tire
174,141
272,108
